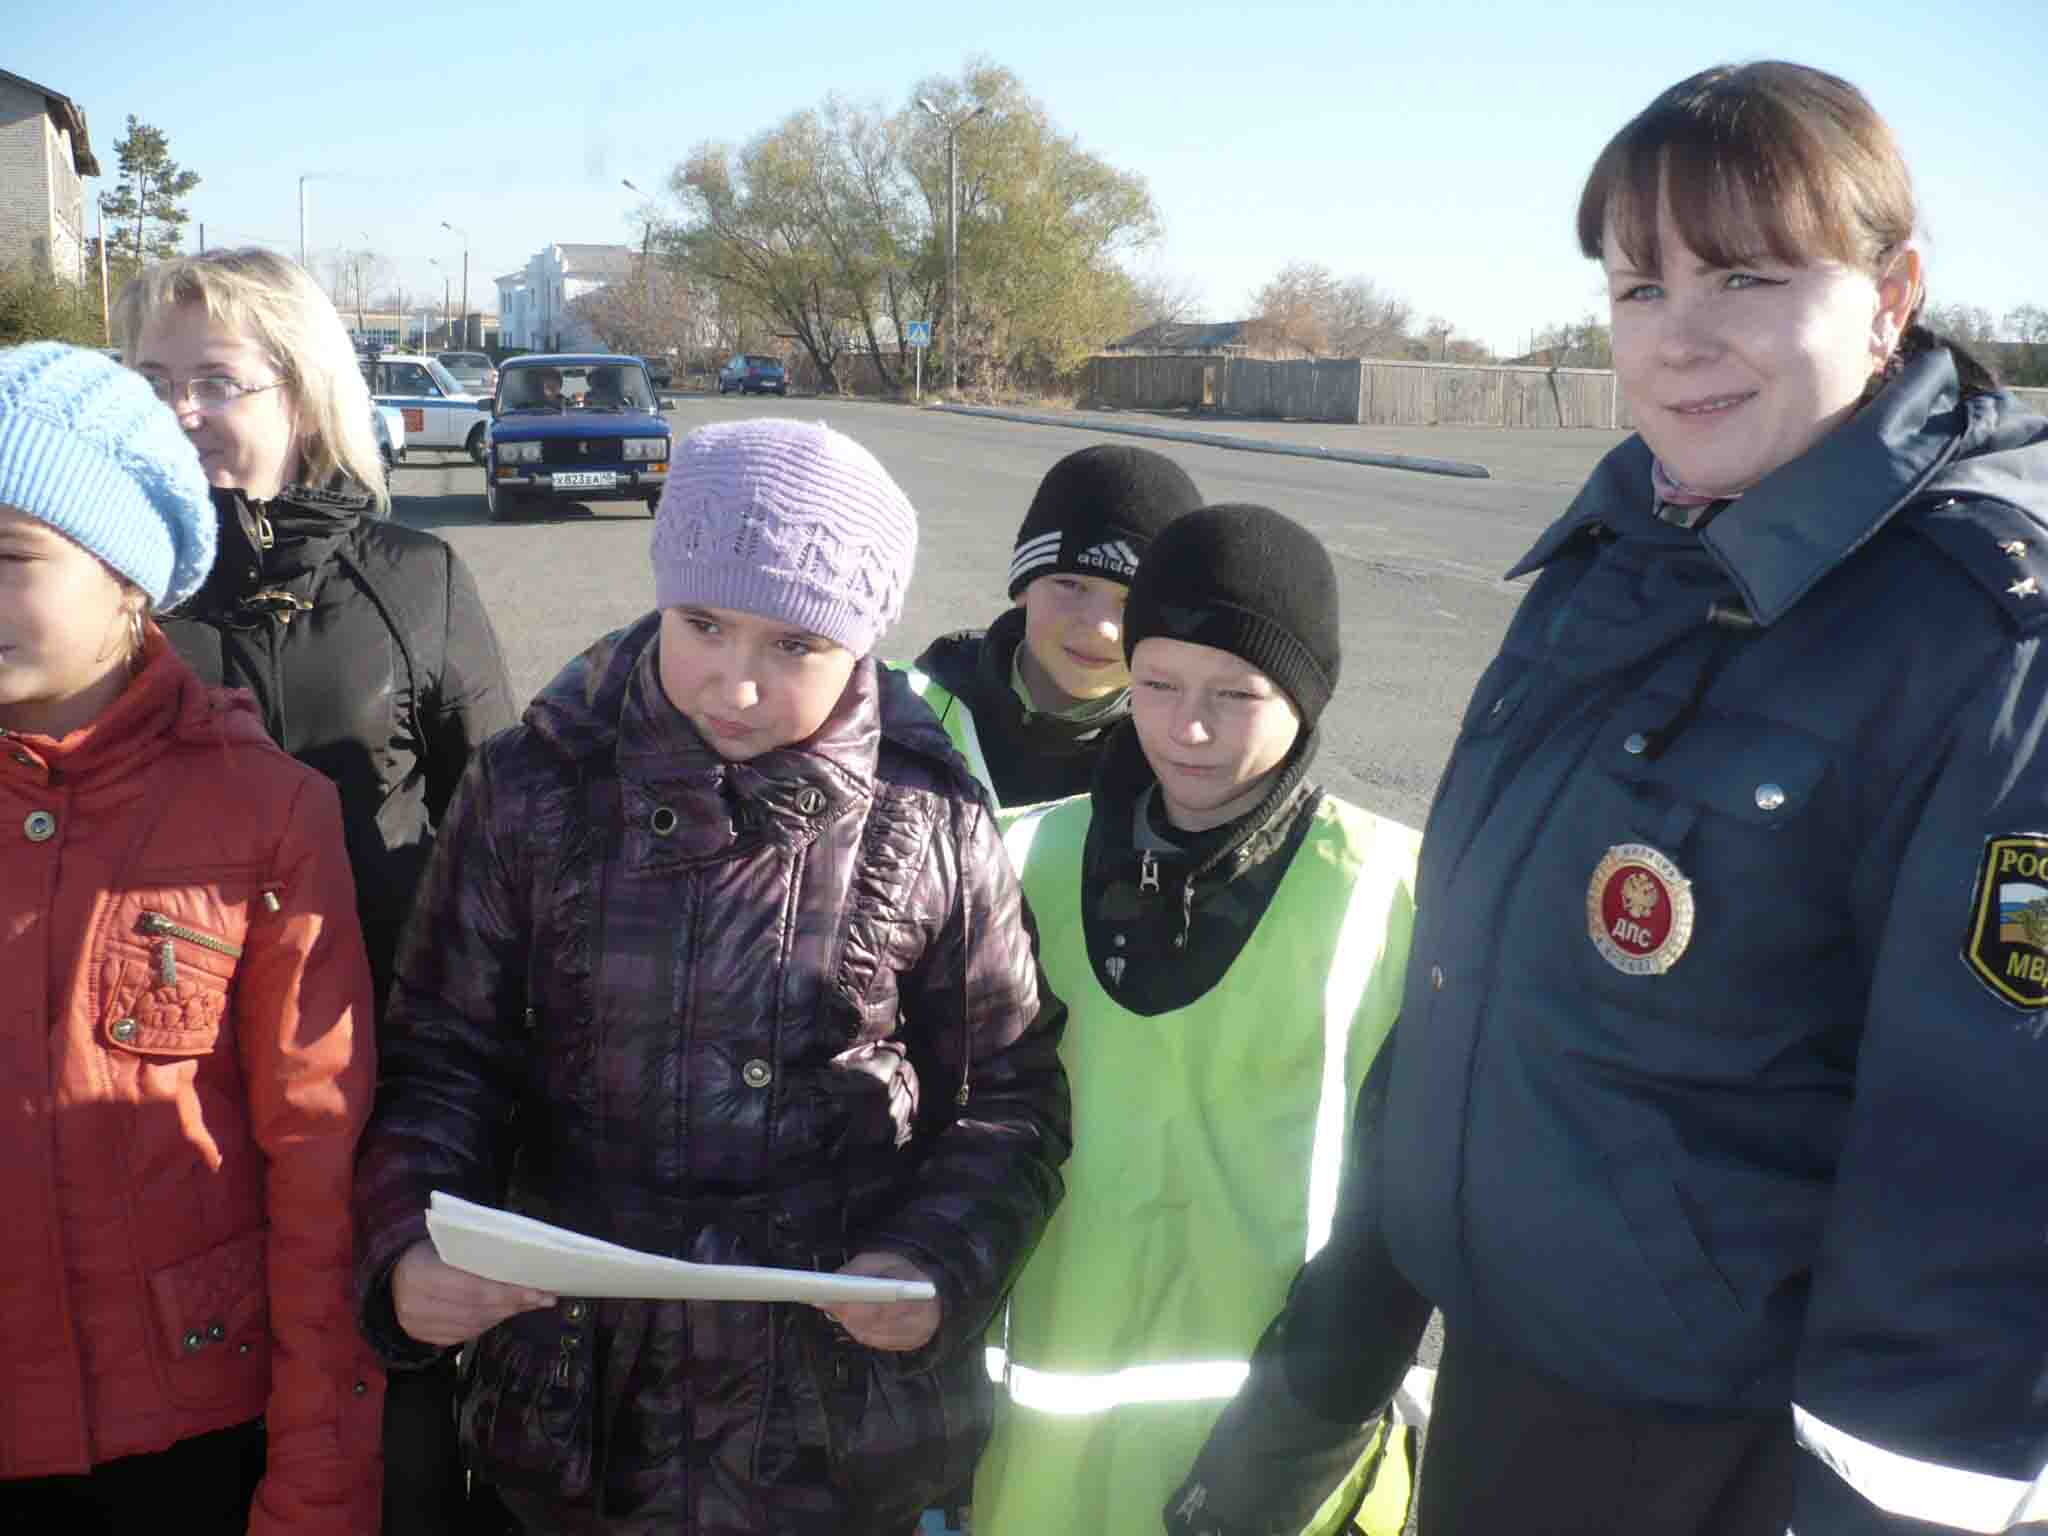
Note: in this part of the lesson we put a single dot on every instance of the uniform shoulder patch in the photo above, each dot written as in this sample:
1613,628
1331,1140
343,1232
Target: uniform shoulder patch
2001,547
2006,944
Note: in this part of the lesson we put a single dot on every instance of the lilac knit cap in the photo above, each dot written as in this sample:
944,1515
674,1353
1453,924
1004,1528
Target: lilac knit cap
789,520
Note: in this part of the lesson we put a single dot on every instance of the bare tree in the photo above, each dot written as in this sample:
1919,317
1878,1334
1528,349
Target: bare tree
1164,298
1308,306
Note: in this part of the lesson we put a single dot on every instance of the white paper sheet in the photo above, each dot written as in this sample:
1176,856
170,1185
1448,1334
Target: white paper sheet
501,1245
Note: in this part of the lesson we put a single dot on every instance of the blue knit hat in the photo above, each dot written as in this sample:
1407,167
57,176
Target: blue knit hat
86,446
789,520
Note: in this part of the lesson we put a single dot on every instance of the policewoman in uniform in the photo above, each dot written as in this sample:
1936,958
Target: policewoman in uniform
1231,942
1715,1118
1030,701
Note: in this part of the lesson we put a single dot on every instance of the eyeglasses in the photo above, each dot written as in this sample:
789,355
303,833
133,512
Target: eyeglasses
209,392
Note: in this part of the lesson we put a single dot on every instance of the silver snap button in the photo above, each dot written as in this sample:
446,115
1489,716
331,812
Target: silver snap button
1436,978
1636,745
123,1030
574,1311
662,822
1769,797
1118,941
756,1073
40,826
810,801
216,1330
361,1389
241,1349
194,1342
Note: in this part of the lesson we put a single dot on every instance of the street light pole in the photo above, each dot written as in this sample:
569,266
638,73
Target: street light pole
465,279
952,128
435,261
646,243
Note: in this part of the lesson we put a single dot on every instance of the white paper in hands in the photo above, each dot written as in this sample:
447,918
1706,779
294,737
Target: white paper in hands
517,1250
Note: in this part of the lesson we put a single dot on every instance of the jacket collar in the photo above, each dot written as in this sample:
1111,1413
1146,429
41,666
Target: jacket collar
1802,520
1123,776
164,702
994,689
262,543
680,799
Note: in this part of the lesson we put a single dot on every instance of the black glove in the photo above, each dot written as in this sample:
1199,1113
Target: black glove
1270,1462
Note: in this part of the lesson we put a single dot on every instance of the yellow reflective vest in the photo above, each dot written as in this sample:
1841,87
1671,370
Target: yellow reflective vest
1207,1144
956,719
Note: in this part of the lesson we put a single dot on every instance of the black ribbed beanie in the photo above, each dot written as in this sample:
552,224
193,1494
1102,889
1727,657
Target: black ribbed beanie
1248,581
1096,511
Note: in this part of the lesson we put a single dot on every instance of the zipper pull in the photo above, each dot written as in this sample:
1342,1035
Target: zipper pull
166,964
1187,913
271,903
266,536
1148,871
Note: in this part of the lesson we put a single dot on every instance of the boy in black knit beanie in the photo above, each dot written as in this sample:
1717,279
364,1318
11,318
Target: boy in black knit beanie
1231,944
1029,701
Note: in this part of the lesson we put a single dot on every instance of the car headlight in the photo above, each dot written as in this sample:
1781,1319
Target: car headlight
518,453
646,447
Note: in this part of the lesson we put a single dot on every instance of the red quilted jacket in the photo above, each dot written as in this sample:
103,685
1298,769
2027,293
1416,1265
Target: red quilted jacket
185,1066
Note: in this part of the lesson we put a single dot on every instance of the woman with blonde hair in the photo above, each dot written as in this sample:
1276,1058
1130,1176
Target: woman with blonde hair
364,642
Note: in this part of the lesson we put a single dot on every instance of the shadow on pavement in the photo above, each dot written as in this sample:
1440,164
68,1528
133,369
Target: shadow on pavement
467,510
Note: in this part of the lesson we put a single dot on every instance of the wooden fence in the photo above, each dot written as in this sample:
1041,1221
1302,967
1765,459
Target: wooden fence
1373,392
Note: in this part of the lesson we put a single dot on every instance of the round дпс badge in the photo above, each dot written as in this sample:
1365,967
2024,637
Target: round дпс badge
1639,910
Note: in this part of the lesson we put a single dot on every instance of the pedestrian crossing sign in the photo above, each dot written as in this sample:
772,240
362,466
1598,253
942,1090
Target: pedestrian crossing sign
919,333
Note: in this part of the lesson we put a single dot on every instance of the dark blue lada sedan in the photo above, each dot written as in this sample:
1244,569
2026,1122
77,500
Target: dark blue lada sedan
574,426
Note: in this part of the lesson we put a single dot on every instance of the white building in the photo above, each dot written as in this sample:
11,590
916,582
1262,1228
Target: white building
44,154
533,305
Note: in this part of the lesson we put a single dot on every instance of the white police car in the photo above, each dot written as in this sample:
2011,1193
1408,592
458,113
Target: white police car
438,412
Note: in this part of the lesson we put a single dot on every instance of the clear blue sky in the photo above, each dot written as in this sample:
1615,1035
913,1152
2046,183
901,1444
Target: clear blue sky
1435,147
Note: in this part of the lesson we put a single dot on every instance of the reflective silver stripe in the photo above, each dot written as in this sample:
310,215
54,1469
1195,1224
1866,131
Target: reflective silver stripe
970,747
1923,1490
1415,1396
1070,1394
1343,990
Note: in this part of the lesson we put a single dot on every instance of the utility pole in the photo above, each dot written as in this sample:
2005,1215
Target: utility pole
952,232
464,343
106,313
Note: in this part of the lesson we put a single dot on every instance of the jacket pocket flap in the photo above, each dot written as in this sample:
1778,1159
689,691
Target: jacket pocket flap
149,1019
216,1300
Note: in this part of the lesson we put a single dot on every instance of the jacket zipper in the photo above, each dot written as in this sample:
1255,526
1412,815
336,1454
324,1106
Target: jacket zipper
156,924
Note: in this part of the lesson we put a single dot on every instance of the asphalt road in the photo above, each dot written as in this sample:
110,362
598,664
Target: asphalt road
1419,557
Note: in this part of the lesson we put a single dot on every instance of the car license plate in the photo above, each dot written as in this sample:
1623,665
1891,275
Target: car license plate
586,480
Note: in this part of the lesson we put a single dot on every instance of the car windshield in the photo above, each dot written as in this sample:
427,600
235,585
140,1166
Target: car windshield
466,360
575,386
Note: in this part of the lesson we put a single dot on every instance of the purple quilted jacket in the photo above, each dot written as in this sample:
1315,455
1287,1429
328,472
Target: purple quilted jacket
777,1012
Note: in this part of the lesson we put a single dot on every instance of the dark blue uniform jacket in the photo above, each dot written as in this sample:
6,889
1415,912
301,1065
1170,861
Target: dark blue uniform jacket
1808,1161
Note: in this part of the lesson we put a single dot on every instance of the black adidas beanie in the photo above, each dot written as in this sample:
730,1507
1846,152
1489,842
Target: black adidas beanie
1096,511
1248,581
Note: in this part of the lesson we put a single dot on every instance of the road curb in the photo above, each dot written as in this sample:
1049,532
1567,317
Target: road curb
1408,461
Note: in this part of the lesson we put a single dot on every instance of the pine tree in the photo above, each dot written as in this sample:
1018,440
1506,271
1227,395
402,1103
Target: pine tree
144,207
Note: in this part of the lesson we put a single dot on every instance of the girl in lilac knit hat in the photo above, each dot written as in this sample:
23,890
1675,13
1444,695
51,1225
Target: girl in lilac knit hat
724,935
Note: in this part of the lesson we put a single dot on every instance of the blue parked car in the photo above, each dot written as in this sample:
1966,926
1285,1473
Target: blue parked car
577,427
751,374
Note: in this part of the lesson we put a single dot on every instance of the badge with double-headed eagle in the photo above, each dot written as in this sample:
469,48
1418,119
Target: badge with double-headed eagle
1639,910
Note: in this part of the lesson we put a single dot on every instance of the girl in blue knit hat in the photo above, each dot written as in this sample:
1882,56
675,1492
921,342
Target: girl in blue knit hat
719,957
185,1061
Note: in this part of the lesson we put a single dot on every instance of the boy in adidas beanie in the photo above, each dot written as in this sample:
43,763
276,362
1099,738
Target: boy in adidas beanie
1030,700
1231,943
773,1002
